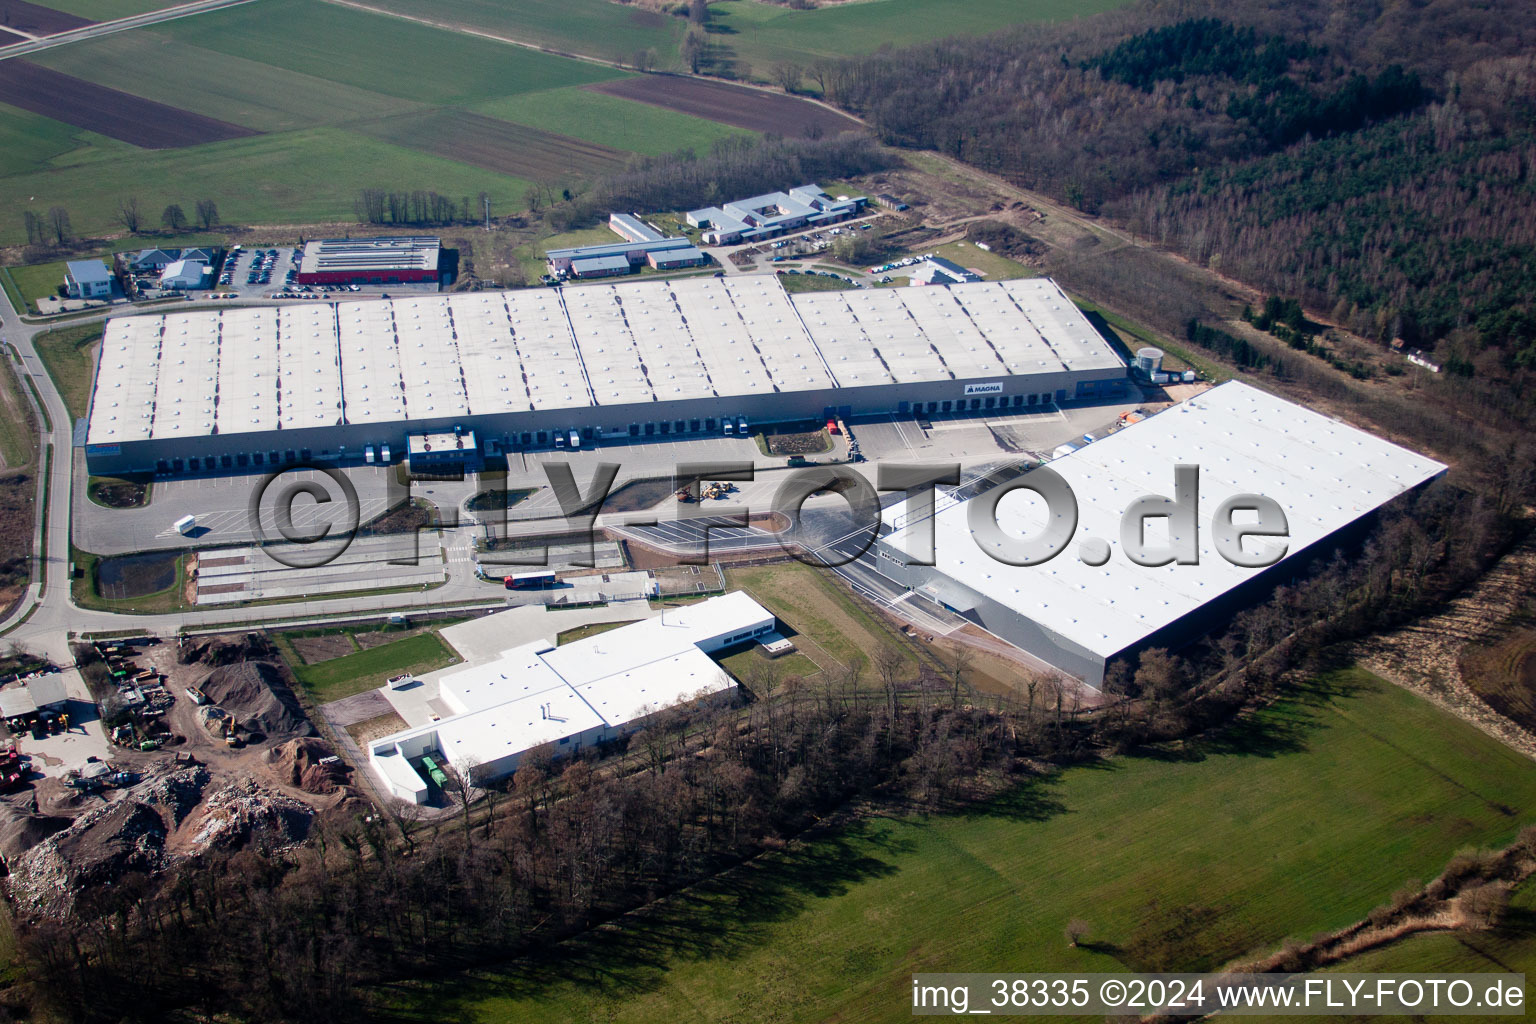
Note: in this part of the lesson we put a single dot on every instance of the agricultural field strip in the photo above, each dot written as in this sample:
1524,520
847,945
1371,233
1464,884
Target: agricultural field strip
753,109
106,111
496,145
219,85
599,31
35,20
379,53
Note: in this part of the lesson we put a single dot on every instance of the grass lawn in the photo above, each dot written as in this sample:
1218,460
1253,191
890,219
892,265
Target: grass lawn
566,636
67,353
12,293
85,593
1301,819
39,281
1132,336
18,429
989,264
610,120
817,607
743,663
814,283
367,670
379,53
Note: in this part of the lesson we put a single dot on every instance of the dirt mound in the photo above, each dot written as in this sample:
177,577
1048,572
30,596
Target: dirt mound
244,812
255,693
173,816
104,844
225,650
21,830
297,763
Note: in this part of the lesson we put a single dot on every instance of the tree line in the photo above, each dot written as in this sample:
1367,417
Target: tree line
54,227
417,207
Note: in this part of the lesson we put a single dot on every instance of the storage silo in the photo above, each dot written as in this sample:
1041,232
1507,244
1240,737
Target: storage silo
1149,360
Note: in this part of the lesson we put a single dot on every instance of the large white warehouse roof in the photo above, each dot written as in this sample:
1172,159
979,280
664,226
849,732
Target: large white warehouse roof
239,370
1323,473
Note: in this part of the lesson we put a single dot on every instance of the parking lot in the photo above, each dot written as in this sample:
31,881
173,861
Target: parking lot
256,271
222,507
222,503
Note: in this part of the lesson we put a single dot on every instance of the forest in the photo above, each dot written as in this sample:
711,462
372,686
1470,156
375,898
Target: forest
1373,162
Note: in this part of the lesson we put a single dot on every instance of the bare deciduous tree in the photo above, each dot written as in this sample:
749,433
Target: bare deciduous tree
58,224
128,213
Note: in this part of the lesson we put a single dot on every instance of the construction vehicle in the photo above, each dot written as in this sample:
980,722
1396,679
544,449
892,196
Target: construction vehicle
684,495
12,768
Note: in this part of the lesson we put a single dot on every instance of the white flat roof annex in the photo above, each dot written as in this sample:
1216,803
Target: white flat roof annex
539,693
1324,473
388,361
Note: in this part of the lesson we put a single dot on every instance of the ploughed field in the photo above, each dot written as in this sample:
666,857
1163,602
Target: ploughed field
37,20
118,115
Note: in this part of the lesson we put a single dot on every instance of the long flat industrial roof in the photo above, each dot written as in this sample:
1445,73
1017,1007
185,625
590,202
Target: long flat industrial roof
244,369
1324,473
360,255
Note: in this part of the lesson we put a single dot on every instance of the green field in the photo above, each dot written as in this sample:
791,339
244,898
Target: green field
381,54
291,177
620,123
596,28
369,669
758,34
1301,820
228,87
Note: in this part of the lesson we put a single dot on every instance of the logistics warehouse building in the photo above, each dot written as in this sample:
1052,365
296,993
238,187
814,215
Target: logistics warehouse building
1328,478
572,697
226,389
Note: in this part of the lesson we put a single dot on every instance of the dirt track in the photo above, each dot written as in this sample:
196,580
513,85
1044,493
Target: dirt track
118,115
753,109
